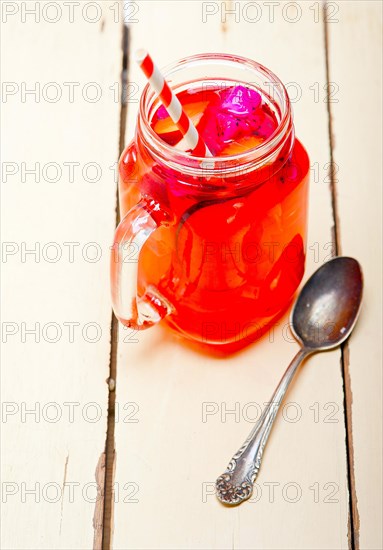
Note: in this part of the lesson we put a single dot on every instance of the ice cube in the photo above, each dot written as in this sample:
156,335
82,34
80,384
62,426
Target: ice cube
263,124
161,113
240,100
234,115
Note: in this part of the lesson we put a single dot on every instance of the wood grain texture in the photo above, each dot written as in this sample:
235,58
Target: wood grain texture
171,457
58,373
355,54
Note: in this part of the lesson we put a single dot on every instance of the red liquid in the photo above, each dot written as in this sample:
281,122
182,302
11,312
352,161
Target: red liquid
232,254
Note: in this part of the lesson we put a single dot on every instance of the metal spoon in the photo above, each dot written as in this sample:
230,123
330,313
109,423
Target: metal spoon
323,317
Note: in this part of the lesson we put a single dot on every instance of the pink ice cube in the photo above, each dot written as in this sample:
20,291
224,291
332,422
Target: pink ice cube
235,113
240,101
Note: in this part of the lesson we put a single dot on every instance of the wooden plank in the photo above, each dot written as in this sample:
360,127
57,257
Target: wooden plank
170,458
57,451
355,54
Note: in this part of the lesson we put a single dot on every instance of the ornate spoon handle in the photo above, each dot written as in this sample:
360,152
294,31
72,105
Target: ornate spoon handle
236,484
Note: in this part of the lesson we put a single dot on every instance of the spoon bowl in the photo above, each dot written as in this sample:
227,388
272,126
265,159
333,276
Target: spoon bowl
328,305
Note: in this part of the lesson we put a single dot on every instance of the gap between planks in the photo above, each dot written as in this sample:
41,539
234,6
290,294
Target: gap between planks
353,521
110,452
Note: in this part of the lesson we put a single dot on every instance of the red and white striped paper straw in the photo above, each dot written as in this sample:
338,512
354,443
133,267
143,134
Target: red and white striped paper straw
172,104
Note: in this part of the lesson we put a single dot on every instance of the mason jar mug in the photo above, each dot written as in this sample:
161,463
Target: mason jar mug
215,247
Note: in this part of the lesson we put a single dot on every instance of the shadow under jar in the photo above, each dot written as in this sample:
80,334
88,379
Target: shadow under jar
216,247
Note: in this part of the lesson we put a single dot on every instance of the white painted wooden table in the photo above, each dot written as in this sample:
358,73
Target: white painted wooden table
177,414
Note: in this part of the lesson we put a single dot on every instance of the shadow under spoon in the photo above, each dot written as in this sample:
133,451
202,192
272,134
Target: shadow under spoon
323,317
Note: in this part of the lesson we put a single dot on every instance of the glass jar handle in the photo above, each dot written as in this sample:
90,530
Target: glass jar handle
135,311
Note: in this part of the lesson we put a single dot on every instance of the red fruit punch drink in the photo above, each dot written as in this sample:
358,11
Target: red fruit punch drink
214,246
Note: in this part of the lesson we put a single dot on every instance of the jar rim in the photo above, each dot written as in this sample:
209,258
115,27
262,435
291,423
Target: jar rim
214,166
